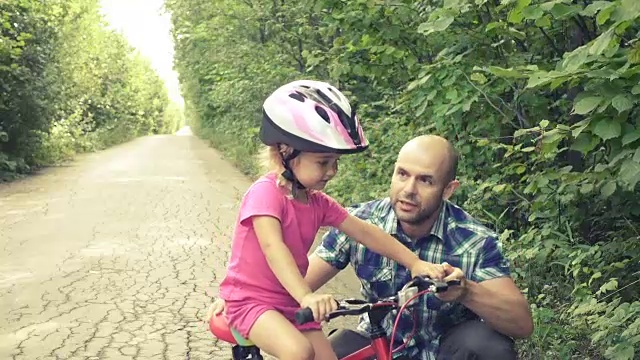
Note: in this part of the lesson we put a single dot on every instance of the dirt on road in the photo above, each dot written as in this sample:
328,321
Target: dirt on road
111,256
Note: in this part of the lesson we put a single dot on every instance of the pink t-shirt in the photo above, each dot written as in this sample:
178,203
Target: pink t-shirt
249,276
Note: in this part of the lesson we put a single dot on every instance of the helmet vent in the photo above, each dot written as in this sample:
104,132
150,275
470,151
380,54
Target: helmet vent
297,96
334,92
323,114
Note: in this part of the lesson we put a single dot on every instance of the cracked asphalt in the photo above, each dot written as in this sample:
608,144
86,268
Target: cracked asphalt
112,255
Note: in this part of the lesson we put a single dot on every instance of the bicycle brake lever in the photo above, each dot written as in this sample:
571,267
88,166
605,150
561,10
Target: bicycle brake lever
355,301
347,311
440,286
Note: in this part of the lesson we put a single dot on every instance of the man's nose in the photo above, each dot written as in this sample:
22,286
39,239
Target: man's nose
410,186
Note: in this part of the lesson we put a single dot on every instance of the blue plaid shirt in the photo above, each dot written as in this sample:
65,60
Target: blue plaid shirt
456,238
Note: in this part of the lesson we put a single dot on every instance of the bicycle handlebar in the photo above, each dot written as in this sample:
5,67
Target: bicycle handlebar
346,307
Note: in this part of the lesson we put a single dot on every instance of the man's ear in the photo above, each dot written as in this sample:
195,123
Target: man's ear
450,189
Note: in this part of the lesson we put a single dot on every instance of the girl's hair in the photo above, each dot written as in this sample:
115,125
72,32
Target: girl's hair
271,162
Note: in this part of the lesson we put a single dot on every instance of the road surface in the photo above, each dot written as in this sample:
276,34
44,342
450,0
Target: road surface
111,256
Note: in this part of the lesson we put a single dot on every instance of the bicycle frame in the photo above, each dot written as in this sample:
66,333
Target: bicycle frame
377,346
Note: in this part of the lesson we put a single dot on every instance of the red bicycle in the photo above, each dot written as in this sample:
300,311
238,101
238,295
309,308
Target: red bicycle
372,346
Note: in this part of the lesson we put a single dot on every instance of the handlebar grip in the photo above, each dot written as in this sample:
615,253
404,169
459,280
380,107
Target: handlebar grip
304,316
453,282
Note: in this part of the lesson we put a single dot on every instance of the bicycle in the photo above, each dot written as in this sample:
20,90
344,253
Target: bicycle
373,346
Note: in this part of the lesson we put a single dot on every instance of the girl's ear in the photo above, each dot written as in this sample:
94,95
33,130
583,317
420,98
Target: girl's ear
285,150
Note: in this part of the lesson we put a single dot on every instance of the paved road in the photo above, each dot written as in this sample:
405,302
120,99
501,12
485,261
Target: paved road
110,256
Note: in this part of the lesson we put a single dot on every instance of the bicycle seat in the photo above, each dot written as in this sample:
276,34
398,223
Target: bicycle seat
220,329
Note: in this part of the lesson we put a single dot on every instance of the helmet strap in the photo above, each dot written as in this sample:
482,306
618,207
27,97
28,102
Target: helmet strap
288,173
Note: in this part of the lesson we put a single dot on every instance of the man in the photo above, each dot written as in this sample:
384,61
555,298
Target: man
419,214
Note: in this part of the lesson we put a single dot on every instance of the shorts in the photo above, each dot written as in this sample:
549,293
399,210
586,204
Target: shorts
243,314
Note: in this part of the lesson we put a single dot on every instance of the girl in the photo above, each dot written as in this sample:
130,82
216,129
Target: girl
306,126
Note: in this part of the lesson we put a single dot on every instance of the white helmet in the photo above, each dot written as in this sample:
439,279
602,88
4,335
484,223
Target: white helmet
311,116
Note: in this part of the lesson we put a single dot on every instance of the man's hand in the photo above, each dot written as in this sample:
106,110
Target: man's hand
423,268
454,293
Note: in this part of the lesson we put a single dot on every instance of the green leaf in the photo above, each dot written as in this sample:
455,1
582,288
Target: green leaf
422,107
448,4
596,6
544,123
421,81
586,105
586,188
604,15
636,156
608,189
629,10
550,140
601,43
499,188
630,137
452,95
532,12
634,56
546,6
575,59
622,351
625,153
538,78
604,105
607,129
579,127
635,90
409,61
523,3
517,33
479,78
543,22
584,143
495,24
521,132
507,73
515,16
442,23
595,276
622,103
561,11
600,168
630,173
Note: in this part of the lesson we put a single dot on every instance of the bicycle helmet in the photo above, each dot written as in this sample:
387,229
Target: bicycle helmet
311,116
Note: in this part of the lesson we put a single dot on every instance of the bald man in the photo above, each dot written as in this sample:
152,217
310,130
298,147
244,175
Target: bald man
476,320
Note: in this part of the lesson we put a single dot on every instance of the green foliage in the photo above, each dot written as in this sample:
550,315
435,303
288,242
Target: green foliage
69,84
540,98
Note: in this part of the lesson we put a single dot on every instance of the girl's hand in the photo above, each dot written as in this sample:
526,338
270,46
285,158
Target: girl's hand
423,268
215,308
320,304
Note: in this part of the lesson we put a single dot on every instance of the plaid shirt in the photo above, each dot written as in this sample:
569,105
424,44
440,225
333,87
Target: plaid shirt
456,238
